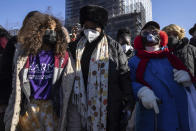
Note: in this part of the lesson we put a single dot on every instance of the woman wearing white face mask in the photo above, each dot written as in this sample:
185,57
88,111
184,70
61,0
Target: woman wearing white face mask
102,77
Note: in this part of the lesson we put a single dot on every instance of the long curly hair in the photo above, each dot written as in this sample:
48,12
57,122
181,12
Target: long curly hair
31,34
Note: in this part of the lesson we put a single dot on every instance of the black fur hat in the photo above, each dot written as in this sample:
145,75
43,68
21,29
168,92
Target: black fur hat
94,13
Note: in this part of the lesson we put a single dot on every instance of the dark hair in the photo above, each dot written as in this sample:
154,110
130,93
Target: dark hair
30,33
29,15
4,33
123,31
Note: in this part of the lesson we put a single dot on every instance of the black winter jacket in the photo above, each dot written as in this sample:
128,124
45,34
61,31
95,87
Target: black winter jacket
6,70
193,41
119,79
130,53
187,54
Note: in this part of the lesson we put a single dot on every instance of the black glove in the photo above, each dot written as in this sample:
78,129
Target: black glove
125,114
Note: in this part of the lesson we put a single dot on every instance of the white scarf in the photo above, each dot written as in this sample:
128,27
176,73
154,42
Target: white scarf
92,102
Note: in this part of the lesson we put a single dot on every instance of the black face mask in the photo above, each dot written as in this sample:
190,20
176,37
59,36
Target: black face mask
172,41
49,37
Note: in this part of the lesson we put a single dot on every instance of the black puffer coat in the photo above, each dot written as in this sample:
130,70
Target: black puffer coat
193,41
6,70
119,79
187,54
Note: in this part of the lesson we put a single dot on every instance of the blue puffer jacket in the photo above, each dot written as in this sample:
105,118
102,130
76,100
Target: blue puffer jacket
173,114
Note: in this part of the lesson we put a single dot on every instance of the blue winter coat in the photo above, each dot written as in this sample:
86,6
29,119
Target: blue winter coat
173,114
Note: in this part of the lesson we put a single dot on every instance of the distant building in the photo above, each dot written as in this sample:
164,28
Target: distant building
134,21
73,8
13,32
131,5
122,13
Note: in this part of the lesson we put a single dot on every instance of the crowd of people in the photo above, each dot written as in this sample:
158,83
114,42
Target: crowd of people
87,81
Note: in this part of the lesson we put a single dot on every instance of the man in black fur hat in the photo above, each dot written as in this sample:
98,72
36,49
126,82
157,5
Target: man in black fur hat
101,90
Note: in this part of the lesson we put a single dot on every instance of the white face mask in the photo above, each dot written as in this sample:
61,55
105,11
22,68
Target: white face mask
91,35
152,48
126,47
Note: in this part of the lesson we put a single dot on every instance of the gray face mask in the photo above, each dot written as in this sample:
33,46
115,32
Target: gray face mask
49,37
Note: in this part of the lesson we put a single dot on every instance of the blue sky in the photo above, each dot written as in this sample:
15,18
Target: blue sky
165,12
14,11
180,12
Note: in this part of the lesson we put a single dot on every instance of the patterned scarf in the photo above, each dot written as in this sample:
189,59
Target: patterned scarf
92,102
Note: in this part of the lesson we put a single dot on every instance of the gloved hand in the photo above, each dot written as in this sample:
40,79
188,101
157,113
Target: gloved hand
182,77
148,98
126,113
